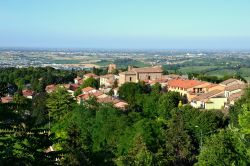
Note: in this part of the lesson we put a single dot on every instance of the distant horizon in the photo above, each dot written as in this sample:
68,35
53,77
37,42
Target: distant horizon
27,48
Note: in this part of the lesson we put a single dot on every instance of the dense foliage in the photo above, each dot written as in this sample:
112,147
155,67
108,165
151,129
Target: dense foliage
35,78
158,128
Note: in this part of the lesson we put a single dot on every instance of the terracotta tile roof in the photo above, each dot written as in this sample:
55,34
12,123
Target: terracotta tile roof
155,69
102,96
97,93
235,87
121,104
6,99
184,83
83,96
235,96
228,81
51,88
108,99
88,95
211,85
205,85
205,96
87,89
73,87
90,75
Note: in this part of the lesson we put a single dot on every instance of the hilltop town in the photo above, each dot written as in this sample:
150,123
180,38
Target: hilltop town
199,94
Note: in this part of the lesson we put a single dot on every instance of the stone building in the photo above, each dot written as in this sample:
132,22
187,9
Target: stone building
107,80
140,74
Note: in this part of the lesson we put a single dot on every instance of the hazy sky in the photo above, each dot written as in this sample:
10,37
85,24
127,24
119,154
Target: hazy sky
213,24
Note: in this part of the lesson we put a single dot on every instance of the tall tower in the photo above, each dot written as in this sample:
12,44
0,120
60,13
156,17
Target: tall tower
111,67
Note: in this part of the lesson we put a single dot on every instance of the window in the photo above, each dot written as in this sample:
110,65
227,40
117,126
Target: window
130,79
148,77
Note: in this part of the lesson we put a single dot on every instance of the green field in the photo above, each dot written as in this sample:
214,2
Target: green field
215,70
122,63
195,69
222,72
245,72
247,78
103,63
66,61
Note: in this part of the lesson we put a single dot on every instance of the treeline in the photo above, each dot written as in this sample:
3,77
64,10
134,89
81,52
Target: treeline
35,78
214,79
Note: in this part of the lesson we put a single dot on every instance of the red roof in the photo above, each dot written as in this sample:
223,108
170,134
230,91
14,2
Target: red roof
87,96
121,104
6,99
90,75
87,89
73,87
27,92
184,83
108,99
96,94
50,88
83,96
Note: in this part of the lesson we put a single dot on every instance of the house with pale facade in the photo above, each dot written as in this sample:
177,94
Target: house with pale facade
107,80
211,100
188,88
140,74
78,80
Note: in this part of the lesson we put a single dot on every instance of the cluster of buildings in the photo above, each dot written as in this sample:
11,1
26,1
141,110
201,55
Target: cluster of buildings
26,93
206,95
102,95
199,94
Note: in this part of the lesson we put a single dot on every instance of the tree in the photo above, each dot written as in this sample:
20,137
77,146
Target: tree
3,89
75,152
131,92
90,82
167,102
78,91
108,127
138,155
224,148
156,88
178,147
59,103
21,142
39,109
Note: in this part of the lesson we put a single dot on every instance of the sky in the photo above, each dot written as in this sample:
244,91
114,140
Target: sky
126,24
